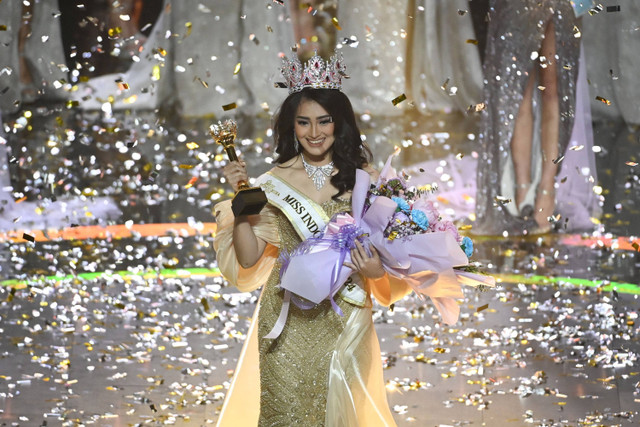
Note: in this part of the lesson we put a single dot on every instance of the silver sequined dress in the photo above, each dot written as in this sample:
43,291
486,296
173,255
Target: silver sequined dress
515,31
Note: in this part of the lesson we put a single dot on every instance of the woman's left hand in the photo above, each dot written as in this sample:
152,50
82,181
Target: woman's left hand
368,265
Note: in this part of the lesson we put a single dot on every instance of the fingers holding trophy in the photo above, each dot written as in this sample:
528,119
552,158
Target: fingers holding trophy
248,200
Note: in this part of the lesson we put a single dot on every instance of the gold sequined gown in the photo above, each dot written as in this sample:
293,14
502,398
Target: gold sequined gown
323,370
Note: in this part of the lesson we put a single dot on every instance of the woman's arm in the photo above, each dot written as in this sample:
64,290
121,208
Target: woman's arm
248,247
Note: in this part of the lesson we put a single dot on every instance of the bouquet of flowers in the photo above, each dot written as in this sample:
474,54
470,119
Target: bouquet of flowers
414,243
415,214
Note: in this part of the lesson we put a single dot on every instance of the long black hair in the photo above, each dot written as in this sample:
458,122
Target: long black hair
349,152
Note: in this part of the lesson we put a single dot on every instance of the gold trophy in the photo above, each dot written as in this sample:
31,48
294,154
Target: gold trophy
248,200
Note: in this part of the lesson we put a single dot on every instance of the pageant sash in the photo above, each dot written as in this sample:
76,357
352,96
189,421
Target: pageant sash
305,215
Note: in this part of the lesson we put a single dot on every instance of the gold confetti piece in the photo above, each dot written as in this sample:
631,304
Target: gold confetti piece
476,108
237,69
635,246
71,104
161,51
631,164
189,27
122,85
558,160
445,84
28,237
191,182
399,99
482,307
576,32
269,29
439,350
462,12
229,106
459,156
472,41
205,304
59,121
3,28
253,38
577,147
192,145
335,23
155,73
114,31
202,82
603,100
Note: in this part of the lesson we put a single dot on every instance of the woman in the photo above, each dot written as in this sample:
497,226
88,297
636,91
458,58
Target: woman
323,368
530,69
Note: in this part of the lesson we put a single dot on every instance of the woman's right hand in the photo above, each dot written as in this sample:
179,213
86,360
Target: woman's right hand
235,173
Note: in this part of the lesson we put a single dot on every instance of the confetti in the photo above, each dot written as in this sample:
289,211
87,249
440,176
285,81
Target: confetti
476,108
613,8
113,32
28,237
236,70
482,307
603,100
122,85
335,23
397,100
472,41
229,106
155,73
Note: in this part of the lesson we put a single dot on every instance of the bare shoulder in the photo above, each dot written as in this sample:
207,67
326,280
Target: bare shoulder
285,169
373,174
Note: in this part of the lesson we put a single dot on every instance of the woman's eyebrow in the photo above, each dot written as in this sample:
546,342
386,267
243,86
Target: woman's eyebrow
326,116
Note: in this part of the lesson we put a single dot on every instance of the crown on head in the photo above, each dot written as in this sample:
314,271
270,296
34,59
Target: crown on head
317,73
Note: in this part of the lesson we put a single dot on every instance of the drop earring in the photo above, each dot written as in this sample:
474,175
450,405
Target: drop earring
298,145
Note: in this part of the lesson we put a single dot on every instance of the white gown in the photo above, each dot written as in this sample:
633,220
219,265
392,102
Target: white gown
411,52
612,50
190,60
42,51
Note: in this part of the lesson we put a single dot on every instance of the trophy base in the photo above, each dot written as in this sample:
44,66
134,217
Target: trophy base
249,201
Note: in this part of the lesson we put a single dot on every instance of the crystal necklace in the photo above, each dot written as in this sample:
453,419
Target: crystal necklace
318,174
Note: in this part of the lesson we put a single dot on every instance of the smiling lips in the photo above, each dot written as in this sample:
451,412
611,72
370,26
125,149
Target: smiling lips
315,141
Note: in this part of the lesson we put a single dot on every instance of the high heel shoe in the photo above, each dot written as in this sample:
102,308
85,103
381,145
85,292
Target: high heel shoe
544,209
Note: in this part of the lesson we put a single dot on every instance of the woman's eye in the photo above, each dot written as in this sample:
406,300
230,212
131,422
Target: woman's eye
326,122
303,123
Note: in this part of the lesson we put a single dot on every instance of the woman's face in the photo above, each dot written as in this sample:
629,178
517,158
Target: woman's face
314,128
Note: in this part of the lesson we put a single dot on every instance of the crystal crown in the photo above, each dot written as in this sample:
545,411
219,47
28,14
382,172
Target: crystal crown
317,73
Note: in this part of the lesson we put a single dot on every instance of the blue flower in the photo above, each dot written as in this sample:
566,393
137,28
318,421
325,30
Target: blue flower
402,204
420,218
467,246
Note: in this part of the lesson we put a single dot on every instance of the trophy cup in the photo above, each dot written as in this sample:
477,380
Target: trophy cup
248,200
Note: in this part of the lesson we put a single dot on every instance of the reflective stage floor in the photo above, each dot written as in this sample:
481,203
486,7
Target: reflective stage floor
113,312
